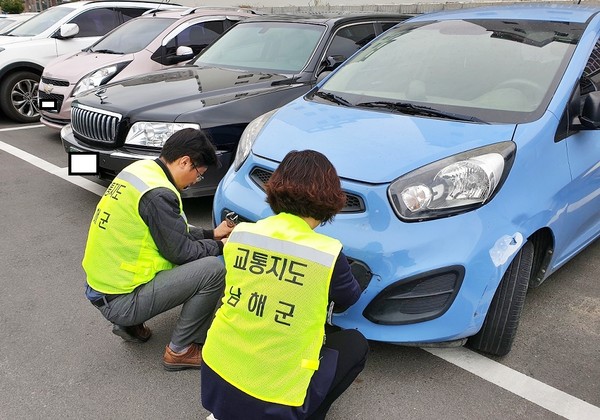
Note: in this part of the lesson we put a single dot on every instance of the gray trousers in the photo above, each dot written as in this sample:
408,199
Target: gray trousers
198,285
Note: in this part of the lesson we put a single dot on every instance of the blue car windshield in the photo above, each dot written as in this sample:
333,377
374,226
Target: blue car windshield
132,36
490,70
38,24
271,47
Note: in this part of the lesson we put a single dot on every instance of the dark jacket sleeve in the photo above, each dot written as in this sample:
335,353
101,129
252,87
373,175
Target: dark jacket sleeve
344,290
159,209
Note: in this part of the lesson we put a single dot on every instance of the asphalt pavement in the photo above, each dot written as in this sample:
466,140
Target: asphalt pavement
59,359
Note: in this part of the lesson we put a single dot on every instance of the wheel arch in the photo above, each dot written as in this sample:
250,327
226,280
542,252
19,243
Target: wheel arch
20,66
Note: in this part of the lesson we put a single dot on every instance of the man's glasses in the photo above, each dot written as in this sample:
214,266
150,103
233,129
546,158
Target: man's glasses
199,176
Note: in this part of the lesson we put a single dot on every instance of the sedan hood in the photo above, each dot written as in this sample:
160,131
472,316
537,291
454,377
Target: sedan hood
165,94
5,40
75,66
371,146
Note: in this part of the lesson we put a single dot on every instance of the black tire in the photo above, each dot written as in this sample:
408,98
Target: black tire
19,96
502,320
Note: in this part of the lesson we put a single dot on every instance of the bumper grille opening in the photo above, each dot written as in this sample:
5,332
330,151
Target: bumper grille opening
416,299
52,96
354,203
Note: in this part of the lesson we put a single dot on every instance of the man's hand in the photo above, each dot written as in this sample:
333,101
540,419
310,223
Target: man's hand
222,231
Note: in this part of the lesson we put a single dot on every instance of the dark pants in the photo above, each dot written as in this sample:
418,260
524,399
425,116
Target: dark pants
352,348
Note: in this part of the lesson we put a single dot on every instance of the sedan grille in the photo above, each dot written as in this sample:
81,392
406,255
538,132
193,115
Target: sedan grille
55,82
53,97
354,203
94,124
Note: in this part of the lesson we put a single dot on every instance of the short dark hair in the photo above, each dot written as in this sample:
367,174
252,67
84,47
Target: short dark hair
193,143
306,184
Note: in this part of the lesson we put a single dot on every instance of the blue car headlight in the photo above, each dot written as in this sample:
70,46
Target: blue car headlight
452,185
248,137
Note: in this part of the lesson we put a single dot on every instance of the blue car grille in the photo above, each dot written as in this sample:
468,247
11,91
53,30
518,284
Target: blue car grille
94,124
354,203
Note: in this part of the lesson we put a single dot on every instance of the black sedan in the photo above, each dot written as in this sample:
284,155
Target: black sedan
258,65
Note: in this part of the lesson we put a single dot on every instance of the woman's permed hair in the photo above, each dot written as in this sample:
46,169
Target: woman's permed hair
306,184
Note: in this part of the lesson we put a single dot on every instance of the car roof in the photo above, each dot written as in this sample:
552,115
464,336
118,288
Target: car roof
327,18
542,12
83,3
182,12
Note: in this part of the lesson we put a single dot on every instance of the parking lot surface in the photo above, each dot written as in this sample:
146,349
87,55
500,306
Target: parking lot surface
58,358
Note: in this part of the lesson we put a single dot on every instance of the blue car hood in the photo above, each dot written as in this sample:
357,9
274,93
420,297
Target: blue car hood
371,146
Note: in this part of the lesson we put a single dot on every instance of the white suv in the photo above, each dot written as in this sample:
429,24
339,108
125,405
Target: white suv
62,29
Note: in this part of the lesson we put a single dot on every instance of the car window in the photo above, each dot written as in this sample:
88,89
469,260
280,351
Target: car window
96,22
197,36
265,46
350,39
38,24
590,80
132,36
128,13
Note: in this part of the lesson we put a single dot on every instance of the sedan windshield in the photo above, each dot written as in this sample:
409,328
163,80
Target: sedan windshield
265,46
490,70
131,37
38,24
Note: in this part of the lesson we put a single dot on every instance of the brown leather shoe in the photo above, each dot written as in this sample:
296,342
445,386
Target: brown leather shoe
135,334
189,359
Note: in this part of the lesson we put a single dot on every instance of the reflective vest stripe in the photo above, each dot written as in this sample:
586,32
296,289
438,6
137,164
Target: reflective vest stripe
134,180
285,247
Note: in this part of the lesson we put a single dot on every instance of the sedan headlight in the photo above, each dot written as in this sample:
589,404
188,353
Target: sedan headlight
97,78
248,137
452,185
154,134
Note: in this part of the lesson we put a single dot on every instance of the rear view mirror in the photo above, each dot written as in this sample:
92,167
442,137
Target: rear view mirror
182,54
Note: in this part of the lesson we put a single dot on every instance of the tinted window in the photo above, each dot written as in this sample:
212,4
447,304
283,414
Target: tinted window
266,46
130,13
197,36
96,22
41,22
350,39
132,36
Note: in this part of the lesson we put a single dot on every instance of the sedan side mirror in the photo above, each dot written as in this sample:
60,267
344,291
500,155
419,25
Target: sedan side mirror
68,30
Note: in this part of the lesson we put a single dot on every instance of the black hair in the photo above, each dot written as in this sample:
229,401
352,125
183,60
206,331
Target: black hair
193,143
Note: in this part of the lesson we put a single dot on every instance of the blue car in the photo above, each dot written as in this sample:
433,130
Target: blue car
468,145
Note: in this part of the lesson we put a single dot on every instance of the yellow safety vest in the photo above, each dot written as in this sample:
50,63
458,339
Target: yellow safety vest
267,335
120,253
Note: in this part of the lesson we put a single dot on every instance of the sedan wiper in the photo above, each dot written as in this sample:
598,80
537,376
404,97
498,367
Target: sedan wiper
106,52
412,109
333,98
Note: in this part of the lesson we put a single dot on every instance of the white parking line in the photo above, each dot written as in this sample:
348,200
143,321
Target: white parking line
53,169
25,127
519,384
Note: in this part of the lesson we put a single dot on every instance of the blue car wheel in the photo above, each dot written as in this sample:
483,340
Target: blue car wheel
500,326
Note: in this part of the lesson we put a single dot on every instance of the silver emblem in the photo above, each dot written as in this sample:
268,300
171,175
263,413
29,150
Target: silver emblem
100,93
48,89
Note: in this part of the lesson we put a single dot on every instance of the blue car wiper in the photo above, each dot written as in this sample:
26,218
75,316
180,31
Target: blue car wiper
412,109
333,98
